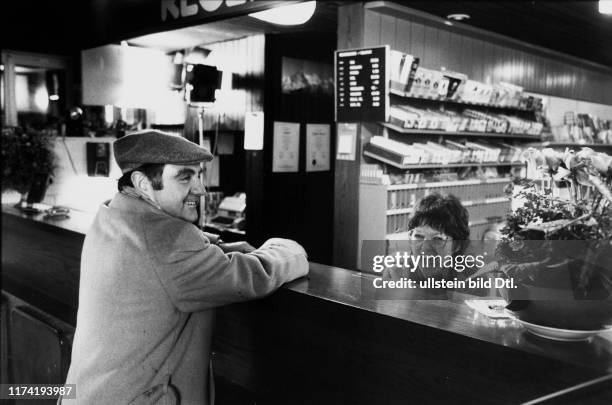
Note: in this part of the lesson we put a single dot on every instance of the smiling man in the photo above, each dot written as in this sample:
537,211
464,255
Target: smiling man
150,280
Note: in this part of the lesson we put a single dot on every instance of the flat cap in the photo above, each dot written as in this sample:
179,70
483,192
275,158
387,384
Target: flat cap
152,146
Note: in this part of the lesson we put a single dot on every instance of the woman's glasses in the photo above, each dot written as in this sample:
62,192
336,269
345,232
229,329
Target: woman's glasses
437,241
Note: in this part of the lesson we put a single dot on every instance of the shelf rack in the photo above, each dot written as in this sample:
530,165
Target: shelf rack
548,144
458,102
462,133
441,165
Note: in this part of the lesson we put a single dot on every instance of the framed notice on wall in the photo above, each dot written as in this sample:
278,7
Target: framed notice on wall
347,141
286,147
362,92
317,147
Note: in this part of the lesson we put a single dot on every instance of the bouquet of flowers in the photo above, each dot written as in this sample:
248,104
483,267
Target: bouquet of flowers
585,214
560,238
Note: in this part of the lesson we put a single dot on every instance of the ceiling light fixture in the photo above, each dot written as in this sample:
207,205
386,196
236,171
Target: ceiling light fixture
458,16
449,23
293,14
605,6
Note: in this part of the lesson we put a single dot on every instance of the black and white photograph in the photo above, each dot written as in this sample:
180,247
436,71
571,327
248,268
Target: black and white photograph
296,202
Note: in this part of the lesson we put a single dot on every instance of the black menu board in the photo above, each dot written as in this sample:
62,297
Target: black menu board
361,84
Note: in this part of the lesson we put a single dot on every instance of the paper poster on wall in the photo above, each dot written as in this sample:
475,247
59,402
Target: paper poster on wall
286,147
254,130
347,140
317,147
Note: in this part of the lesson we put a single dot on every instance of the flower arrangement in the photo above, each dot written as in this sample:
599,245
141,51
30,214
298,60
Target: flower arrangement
560,238
26,155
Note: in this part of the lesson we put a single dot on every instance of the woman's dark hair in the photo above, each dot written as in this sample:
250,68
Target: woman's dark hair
445,214
153,171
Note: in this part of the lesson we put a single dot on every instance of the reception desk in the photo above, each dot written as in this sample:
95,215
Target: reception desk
322,339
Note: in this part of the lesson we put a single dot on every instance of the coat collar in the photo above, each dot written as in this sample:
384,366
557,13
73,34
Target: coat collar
123,202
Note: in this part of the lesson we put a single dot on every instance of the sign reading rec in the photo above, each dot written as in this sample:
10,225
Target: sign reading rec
361,84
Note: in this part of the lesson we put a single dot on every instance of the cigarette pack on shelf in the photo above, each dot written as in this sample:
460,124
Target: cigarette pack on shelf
372,174
392,151
427,155
422,85
466,153
531,102
455,83
513,154
494,123
402,70
404,116
513,94
500,95
437,86
476,92
484,153
583,129
449,155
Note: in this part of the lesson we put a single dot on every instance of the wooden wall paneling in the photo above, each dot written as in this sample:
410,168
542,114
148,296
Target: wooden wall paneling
350,26
417,40
403,36
467,52
371,29
444,47
547,74
488,63
480,50
454,58
351,34
388,33
499,67
346,210
537,77
431,53
479,59
548,77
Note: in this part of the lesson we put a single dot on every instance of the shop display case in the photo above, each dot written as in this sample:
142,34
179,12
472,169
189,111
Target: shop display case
463,142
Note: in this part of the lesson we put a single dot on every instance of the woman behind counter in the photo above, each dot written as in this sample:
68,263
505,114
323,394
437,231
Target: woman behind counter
439,227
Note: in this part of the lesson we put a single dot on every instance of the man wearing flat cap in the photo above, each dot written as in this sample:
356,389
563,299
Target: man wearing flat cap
150,280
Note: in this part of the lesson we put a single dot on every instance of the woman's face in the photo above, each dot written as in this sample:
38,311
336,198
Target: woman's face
431,241
428,241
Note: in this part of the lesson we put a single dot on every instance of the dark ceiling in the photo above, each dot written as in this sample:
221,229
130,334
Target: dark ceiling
573,27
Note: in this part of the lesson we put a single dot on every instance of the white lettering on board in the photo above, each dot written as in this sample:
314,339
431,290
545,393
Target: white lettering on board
185,9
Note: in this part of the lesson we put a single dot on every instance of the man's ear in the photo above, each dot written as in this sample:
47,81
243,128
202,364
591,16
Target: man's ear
141,182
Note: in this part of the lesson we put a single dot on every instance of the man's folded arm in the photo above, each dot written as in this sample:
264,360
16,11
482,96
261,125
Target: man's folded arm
198,275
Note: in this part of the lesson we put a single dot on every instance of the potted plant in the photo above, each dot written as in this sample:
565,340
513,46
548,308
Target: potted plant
557,246
28,162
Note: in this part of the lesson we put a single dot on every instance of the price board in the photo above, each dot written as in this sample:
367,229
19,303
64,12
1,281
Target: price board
362,92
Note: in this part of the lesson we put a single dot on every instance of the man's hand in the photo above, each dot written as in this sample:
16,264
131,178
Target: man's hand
242,247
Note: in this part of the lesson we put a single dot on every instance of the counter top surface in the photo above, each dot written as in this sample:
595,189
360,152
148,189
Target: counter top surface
451,315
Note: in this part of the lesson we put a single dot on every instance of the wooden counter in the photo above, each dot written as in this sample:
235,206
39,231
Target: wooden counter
324,339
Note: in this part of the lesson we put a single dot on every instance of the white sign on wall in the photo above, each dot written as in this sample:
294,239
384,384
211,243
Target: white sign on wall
286,147
317,147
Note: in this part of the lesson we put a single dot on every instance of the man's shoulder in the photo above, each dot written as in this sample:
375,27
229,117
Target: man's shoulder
166,234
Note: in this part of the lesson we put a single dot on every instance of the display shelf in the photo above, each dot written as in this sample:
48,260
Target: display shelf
458,102
458,133
438,184
548,144
468,203
440,165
